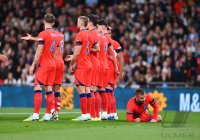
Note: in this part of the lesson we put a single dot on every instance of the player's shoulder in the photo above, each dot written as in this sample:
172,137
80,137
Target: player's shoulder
148,97
115,42
44,32
131,99
60,34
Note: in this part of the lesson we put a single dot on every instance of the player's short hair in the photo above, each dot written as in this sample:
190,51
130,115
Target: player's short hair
84,19
139,91
93,19
49,18
102,22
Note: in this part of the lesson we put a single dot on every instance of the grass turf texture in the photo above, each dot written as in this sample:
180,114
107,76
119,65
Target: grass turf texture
12,127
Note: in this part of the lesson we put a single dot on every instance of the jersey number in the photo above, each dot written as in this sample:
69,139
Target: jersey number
61,45
87,48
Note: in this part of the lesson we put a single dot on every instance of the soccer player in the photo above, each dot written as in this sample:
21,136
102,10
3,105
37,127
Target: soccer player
112,78
137,108
46,68
58,57
106,49
94,107
83,69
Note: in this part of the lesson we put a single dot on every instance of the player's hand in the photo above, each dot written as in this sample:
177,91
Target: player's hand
3,57
153,120
28,37
68,58
121,77
116,71
72,68
137,120
31,69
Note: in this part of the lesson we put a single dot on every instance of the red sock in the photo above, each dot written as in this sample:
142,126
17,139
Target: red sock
37,101
57,101
109,102
89,103
93,113
104,98
97,103
49,101
114,110
83,102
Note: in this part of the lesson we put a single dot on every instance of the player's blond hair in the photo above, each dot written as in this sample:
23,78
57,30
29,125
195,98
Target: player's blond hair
84,20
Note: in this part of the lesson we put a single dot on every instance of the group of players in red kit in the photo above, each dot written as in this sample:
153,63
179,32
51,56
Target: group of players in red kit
97,64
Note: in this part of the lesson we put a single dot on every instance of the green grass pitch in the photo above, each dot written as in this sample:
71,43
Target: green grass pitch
12,127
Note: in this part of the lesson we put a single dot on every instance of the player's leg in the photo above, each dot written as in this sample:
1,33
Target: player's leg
95,95
113,105
37,104
88,81
104,95
50,78
57,102
112,82
40,77
91,98
56,89
80,81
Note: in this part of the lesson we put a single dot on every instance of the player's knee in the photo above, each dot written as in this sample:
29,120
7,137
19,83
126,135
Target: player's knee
56,88
81,89
37,87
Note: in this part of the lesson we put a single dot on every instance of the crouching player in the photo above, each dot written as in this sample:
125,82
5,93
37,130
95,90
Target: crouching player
137,108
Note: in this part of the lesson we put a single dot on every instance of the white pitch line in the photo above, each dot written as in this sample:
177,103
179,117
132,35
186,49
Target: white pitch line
41,113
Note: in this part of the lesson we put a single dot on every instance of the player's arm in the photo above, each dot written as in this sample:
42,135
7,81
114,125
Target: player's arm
76,53
36,57
155,108
121,63
112,54
129,111
95,47
29,37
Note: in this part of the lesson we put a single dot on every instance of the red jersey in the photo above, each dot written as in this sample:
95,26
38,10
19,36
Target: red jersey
94,39
103,52
48,38
137,110
82,39
116,46
60,39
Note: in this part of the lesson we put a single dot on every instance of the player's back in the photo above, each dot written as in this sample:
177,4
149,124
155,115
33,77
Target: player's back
82,38
94,38
103,52
58,54
48,38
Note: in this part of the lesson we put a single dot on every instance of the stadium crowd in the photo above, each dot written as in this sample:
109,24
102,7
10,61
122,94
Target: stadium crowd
160,38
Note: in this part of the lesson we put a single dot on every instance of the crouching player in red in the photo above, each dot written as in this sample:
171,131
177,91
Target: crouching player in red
137,108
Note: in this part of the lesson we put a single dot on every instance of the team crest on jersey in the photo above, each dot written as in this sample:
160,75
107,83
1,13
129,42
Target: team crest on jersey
160,100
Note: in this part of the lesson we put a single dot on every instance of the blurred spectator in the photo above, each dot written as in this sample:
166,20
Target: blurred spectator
178,73
10,79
